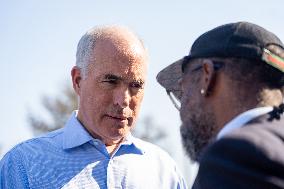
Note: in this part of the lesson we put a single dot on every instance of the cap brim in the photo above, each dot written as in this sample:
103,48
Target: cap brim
169,77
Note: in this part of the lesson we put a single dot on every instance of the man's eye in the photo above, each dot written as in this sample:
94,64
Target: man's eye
137,85
111,81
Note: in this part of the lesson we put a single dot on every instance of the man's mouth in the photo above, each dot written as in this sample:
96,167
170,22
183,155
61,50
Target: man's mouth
119,118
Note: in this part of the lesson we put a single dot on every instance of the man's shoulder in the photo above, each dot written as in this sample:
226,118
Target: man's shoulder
38,144
161,163
263,139
255,149
272,131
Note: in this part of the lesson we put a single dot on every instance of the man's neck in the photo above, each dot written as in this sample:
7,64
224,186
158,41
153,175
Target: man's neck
230,110
112,146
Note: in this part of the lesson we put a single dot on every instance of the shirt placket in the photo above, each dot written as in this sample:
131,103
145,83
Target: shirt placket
111,177
110,174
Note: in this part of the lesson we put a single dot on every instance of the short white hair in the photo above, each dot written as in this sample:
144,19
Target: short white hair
86,45
85,49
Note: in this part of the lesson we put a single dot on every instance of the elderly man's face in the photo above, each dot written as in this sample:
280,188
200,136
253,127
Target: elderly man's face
111,95
198,122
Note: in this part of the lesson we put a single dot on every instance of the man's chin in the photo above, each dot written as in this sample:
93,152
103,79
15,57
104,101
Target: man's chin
195,140
120,133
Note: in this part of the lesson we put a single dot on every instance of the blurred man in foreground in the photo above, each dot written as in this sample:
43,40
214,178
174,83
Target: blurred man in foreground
230,87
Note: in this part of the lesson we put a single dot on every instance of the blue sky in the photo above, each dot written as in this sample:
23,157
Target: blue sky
38,43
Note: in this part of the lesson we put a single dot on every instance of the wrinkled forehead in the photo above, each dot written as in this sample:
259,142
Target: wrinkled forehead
120,60
120,50
121,43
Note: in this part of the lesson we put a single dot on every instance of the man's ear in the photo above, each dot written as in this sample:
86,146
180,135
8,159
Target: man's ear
76,79
208,77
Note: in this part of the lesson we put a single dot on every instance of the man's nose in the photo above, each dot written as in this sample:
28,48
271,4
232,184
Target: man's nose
122,97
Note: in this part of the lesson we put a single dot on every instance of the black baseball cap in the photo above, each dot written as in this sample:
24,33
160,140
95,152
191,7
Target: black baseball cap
234,40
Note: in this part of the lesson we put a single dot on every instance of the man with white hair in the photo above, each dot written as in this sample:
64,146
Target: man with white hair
95,149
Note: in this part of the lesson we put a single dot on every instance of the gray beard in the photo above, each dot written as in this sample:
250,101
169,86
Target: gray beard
196,134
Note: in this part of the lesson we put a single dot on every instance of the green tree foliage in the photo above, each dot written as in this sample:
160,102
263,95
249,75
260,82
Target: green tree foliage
60,107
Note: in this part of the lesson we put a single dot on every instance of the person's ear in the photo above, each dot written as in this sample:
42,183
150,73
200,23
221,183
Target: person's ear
76,79
208,77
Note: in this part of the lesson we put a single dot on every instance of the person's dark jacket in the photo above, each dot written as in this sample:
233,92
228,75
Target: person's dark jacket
249,157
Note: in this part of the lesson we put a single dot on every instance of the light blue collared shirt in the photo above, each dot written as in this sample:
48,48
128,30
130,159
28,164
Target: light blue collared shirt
242,119
71,158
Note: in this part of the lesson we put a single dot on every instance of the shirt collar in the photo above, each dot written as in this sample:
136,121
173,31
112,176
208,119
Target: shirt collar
131,140
74,133
242,119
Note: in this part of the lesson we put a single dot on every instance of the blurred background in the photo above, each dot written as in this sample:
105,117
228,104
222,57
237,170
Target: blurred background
38,42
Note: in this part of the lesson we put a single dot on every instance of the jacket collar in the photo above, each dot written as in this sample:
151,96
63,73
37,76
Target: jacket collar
243,119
